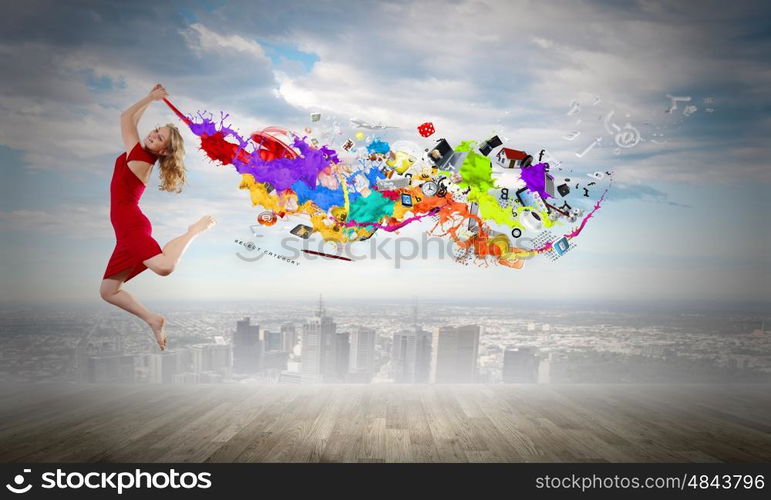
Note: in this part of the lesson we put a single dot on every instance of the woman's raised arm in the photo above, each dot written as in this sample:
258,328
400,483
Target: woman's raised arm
130,117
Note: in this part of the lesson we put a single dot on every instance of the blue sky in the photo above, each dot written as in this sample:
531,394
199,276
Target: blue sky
686,217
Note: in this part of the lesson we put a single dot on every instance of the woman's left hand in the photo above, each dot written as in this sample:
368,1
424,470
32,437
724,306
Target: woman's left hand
158,92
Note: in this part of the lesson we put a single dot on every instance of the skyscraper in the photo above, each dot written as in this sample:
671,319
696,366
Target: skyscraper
520,365
247,347
423,350
454,351
342,355
363,353
271,340
411,353
163,367
289,333
403,357
411,356
318,346
210,357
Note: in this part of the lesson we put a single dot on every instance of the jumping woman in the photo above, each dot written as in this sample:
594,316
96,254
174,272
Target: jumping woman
136,250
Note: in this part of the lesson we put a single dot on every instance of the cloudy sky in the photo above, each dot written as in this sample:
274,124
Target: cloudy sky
685,219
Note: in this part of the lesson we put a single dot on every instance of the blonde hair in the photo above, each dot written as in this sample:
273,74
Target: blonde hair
172,165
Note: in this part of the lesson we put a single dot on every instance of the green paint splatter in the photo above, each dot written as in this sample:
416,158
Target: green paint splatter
490,209
477,173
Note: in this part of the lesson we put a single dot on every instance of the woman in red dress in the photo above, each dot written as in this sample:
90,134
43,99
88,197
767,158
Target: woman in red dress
136,250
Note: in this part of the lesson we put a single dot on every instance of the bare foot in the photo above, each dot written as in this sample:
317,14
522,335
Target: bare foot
202,225
158,324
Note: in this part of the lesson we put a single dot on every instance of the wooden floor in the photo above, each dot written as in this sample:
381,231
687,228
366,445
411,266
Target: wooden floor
391,423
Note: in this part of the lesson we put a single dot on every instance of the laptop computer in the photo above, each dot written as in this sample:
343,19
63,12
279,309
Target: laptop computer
448,159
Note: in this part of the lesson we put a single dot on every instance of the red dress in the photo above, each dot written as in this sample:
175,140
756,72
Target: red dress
133,230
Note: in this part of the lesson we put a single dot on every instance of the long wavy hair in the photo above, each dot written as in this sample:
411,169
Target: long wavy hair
172,165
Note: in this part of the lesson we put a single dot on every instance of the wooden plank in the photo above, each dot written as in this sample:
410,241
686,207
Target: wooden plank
385,423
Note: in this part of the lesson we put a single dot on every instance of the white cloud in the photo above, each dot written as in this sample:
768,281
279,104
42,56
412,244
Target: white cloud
74,221
202,40
465,67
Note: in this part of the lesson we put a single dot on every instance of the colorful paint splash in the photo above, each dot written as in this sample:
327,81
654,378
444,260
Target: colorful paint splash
380,187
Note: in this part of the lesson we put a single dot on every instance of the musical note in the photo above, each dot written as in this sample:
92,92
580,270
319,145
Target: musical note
571,135
589,147
628,137
674,100
575,107
607,123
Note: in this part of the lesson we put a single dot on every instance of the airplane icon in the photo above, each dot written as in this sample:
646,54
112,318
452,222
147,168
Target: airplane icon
363,124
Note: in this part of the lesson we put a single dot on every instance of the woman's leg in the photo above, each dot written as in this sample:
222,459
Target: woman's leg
111,291
164,263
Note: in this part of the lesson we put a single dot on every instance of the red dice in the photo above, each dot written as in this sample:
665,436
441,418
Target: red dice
426,129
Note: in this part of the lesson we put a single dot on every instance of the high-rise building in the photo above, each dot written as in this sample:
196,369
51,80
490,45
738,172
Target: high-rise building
411,356
289,333
363,353
318,346
210,357
520,365
454,351
411,353
247,347
423,357
403,357
342,357
271,340
163,366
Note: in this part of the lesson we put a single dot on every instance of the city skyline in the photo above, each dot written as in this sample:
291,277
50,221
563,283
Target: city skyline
264,344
